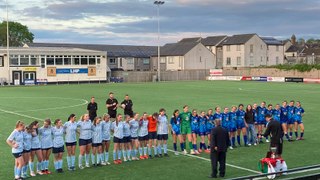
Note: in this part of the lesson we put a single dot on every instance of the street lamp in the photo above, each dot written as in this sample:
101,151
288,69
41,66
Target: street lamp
158,3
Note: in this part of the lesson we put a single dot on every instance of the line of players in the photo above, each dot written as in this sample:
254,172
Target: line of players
134,135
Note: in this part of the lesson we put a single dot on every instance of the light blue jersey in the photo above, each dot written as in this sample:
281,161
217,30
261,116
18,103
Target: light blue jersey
46,137
143,131
117,129
27,137
58,137
17,138
85,129
35,141
134,127
126,129
106,128
71,131
162,125
97,133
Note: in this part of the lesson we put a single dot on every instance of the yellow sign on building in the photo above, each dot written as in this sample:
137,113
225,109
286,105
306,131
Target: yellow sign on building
30,69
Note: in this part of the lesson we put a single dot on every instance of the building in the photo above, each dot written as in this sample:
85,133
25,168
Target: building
184,55
120,57
244,50
213,43
31,65
275,51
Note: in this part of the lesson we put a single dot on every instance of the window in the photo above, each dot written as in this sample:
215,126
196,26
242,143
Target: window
76,60
238,47
228,61
67,60
84,60
170,60
14,60
50,60
277,60
59,60
129,60
112,61
1,61
228,47
98,59
277,48
146,61
43,61
24,60
238,60
251,61
92,60
162,60
251,48
34,60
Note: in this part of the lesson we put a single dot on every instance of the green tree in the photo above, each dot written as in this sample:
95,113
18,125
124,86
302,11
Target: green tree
18,34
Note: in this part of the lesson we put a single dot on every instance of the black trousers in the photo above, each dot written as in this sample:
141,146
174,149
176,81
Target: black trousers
215,158
278,146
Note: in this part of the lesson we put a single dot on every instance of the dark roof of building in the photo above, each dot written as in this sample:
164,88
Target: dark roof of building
212,40
294,48
112,50
187,40
237,39
176,49
271,41
312,51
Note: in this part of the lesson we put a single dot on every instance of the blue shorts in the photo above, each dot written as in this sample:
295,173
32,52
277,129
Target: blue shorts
84,142
143,138
58,150
196,131
17,155
299,121
117,140
232,129
126,139
240,124
176,132
290,121
96,144
71,144
202,133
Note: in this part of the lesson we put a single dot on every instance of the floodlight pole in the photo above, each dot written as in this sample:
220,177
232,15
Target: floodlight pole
158,3
8,43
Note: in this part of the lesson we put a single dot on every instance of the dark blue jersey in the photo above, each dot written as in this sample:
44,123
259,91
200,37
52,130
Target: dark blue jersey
284,114
225,120
255,113
210,122
298,113
276,114
195,123
291,110
202,124
233,119
261,113
175,123
240,115
217,116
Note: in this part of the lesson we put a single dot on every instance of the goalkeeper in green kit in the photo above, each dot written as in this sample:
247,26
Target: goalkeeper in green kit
185,117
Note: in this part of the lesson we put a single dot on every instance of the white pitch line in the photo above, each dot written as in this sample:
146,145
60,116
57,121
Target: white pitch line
234,166
18,114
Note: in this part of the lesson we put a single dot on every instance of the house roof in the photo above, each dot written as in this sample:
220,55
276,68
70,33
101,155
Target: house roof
213,40
312,51
112,50
176,49
271,41
187,40
294,48
237,39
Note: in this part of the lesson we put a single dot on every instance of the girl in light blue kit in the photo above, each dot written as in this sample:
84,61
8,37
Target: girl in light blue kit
106,128
45,133
70,129
15,141
117,129
97,142
143,136
27,137
134,127
85,139
58,144
126,150
162,132
35,150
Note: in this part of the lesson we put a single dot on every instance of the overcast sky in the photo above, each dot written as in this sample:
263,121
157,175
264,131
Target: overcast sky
134,22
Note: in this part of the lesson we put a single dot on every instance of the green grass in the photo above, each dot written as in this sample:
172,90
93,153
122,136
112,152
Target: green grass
24,103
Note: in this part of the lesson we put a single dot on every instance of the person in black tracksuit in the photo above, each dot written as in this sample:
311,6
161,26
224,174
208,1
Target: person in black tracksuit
219,144
112,105
274,129
92,109
127,105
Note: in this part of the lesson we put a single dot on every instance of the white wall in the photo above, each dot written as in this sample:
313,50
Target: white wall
200,57
273,53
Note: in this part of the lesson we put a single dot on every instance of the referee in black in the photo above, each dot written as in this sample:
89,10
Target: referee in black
219,144
112,105
274,129
92,109
127,105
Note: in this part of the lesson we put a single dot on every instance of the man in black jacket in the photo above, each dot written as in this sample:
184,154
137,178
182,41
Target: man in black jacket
274,129
219,145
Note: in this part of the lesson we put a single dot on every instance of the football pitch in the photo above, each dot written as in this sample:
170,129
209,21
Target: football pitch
40,102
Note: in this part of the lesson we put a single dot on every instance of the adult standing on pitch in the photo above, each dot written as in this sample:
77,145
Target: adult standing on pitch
112,104
274,129
92,109
126,105
219,145
186,128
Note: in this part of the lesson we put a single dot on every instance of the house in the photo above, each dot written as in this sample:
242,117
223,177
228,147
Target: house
275,51
213,43
184,56
119,57
312,54
294,54
244,50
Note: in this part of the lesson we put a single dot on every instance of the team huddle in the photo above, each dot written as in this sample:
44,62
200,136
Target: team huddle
138,137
